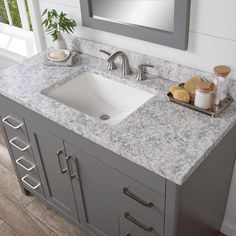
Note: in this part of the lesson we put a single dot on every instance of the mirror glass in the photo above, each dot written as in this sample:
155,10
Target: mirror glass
155,14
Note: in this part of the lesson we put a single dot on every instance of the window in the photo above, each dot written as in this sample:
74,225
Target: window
16,33
15,13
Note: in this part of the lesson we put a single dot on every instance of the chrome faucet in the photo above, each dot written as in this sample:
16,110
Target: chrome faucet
125,61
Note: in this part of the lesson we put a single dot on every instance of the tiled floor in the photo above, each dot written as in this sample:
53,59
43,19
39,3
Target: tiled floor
25,215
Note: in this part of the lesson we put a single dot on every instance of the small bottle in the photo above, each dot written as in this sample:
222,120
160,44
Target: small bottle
222,83
204,95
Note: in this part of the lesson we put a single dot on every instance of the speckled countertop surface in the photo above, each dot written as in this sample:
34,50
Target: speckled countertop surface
160,136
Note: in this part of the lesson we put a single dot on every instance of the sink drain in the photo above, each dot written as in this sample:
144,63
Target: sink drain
104,117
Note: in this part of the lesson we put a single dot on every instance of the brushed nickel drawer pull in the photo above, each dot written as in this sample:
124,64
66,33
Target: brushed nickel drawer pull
138,223
136,198
18,161
6,121
24,180
63,170
12,142
68,159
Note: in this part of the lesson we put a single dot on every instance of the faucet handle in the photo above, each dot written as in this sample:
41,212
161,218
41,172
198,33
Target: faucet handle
141,75
111,65
105,52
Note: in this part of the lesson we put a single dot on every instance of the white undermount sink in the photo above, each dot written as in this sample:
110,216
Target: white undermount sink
101,98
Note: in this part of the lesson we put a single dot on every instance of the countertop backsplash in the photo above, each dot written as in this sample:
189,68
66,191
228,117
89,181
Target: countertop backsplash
162,68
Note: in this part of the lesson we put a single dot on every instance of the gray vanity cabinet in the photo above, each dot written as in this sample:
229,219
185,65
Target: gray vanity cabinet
98,191
75,182
51,162
107,195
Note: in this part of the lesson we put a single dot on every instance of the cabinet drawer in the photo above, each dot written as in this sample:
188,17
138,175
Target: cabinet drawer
13,125
135,223
16,135
139,213
22,155
143,198
20,149
29,175
32,184
28,171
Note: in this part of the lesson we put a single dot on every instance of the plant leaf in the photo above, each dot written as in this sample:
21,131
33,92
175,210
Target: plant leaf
44,12
55,23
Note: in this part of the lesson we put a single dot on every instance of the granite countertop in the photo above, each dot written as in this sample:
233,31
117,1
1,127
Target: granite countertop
163,137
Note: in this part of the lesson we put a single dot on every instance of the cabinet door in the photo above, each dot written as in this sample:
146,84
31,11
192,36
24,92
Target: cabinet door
50,159
97,187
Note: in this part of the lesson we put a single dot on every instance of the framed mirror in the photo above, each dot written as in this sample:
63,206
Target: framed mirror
164,22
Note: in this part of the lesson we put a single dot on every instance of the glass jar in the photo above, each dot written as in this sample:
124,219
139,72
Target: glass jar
222,82
204,95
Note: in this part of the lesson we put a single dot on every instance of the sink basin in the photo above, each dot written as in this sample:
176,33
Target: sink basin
101,98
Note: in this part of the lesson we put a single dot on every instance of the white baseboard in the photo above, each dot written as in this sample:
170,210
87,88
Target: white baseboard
228,229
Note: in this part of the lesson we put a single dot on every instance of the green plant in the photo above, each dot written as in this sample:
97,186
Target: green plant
55,23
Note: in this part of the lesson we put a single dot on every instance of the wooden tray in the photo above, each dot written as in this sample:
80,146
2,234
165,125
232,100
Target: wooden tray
213,112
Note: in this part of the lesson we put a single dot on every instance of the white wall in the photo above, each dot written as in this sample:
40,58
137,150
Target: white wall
212,38
212,41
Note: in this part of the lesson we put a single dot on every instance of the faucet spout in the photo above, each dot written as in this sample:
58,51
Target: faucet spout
125,61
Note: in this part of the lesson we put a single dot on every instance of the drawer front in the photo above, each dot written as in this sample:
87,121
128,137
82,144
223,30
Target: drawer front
29,176
13,125
141,210
135,223
143,198
32,184
20,148
17,135
156,219
17,138
23,156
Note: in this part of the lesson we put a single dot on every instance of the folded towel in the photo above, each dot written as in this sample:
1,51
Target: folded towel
70,61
